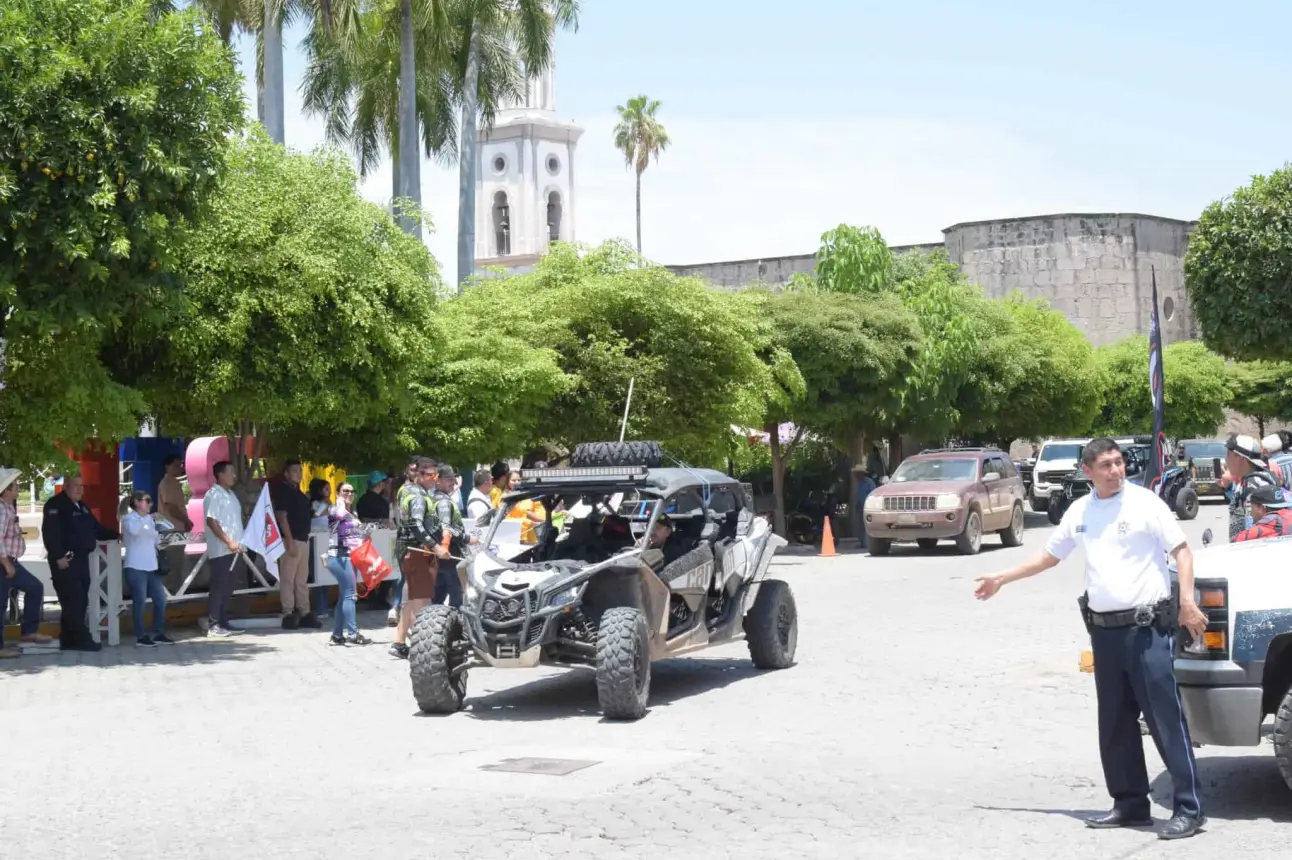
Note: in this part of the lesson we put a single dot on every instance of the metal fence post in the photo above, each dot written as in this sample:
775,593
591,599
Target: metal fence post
105,603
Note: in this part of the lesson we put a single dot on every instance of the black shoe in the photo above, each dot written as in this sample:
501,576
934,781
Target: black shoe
1118,818
145,642
358,639
336,640
399,650
163,639
310,620
291,622
1182,827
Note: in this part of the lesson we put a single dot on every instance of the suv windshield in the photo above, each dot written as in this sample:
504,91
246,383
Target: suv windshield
1205,450
1061,452
950,469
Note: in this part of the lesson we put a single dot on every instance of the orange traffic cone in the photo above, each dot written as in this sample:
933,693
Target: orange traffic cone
827,541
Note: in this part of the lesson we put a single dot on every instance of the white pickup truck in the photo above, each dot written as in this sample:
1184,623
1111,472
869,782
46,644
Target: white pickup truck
1241,671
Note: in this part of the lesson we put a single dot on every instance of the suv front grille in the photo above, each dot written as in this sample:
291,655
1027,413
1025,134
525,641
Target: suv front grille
909,503
1055,477
1205,473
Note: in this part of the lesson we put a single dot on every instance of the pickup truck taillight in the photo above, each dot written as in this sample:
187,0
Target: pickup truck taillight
1212,597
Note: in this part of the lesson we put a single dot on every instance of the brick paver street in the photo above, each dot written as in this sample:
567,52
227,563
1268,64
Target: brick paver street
917,723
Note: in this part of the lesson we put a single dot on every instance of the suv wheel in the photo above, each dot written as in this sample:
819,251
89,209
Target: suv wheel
438,652
1013,536
623,663
970,540
772,626
878,546
1282,737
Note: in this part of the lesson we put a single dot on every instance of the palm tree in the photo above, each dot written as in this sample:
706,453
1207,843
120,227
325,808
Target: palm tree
353,80
639,135
530,26
226,15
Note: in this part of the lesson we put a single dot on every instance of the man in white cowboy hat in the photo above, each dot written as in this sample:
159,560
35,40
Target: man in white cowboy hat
1245,471
13,576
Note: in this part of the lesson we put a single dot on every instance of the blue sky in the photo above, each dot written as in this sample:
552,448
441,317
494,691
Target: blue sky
787,119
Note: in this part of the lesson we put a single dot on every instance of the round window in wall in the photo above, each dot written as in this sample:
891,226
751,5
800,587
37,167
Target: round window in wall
553,165
499,164
1168,308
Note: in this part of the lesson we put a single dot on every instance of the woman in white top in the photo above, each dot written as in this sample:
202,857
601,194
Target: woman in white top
139,534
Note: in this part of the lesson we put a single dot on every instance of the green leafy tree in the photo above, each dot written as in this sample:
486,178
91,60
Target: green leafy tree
639,137
689,353
113,130
1238,270
1034,374
852,352
310,314
1261,389
1197,389
853,260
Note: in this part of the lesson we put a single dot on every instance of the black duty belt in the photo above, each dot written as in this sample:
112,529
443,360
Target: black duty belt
1139,616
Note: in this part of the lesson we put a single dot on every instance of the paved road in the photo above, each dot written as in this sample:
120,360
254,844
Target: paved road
917,723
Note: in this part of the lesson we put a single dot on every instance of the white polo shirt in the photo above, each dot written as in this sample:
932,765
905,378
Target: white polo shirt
1126,539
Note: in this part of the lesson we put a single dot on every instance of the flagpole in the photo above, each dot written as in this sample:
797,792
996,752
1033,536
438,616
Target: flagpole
1157,389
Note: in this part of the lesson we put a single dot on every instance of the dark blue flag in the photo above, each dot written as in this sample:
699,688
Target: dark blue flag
1158,462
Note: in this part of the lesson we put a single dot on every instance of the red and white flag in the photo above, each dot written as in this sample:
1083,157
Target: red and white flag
262,535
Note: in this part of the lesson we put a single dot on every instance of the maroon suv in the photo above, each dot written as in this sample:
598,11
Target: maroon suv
947,493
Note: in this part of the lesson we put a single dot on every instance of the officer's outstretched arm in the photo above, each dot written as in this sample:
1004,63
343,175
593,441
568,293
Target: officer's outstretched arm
989,585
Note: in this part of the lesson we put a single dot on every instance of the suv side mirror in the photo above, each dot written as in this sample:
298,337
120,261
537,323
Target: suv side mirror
1206,537
990,476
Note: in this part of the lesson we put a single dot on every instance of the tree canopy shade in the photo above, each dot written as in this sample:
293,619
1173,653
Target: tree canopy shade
1196,389
1261,389
1238,270
310,313
112,137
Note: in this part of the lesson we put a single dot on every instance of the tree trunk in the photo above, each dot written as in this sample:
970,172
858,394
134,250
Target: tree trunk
1260,422
467,162
639,217
858,455
4,366
410,173
273,108
778,480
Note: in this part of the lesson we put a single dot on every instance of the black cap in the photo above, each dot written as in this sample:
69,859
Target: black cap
447,471
1268,497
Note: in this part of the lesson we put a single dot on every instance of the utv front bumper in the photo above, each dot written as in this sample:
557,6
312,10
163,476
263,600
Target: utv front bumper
508,629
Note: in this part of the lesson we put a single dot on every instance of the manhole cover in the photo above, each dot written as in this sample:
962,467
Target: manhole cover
545,766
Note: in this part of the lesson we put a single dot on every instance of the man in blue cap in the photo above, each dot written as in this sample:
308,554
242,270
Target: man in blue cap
373,506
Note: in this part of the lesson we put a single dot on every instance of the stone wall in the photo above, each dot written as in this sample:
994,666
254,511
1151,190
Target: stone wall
1096,269
772,271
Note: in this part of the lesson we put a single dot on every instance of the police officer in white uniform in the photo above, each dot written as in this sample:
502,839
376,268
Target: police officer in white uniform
1127,532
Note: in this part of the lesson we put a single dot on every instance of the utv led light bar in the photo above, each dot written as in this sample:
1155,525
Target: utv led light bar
623,474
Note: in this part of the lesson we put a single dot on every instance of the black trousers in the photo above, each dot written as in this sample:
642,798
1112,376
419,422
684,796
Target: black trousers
219,589
1133,675
73,589
447,584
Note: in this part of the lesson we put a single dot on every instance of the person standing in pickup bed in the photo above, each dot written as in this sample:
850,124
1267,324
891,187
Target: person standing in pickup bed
1127,532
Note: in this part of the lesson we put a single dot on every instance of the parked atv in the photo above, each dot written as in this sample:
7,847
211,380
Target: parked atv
599,590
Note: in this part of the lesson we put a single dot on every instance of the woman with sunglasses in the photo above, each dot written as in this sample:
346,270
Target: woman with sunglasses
139,534
345,536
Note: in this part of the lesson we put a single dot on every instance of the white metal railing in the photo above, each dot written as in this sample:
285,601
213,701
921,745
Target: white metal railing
105,602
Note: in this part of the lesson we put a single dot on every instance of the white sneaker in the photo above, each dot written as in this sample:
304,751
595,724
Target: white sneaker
392,617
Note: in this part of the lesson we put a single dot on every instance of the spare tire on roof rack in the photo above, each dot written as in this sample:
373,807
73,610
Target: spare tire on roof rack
648,454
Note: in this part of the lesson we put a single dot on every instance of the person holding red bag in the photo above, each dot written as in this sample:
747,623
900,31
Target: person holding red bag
345,536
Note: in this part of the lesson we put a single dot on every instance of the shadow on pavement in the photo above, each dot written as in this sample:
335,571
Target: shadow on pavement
1237,788
575,693
187,652
1033,520
1076,814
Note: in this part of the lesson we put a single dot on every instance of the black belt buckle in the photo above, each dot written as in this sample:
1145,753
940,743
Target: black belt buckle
1144,616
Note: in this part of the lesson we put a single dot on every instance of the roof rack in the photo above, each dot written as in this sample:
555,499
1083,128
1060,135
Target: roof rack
970,450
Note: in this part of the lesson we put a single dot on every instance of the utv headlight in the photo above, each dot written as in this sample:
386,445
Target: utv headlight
948,502
564,598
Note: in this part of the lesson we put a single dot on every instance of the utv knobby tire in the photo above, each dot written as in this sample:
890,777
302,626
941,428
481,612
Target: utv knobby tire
772,626
623,663
1039,505
648,454
1012,535
1186,503
430,666
878,546
1282,737
1055,514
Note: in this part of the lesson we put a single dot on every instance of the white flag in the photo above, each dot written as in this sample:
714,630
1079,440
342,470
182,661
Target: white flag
262,535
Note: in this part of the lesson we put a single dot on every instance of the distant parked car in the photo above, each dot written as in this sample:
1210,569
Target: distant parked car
947,493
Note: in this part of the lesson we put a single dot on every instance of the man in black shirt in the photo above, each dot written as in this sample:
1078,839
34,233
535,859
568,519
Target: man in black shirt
71,535
373,506
292,509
